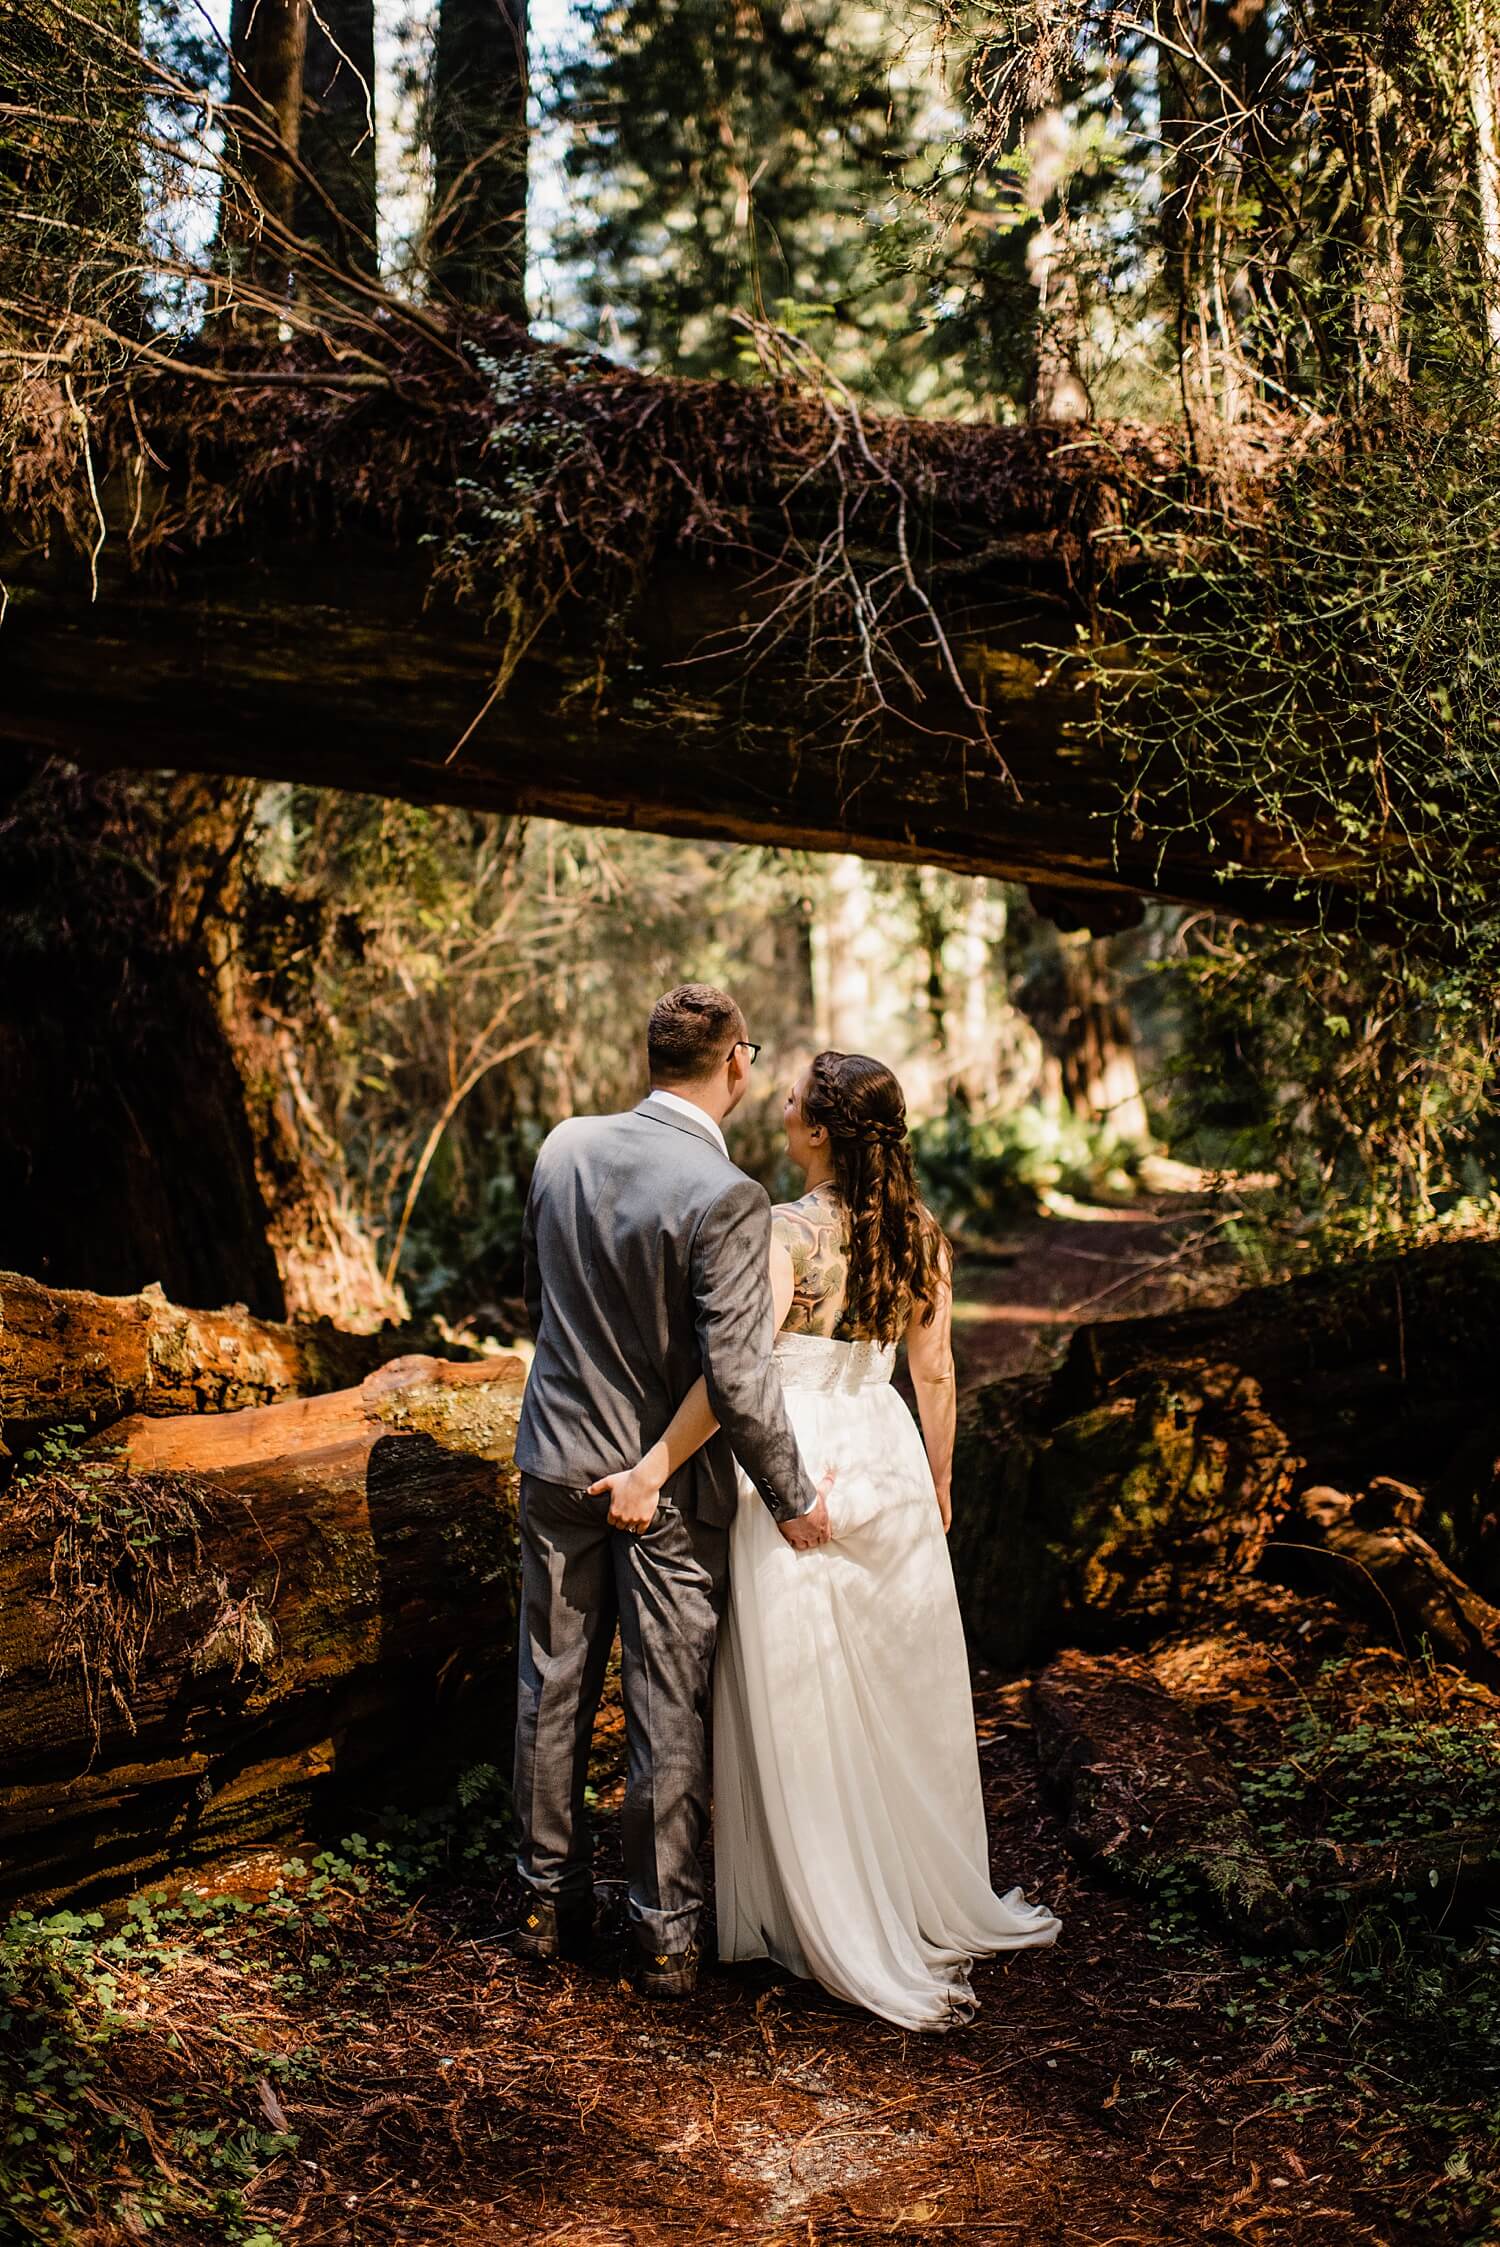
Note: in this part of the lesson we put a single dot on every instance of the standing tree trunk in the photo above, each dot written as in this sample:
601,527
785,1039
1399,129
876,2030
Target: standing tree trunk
1483,66
326,1261
335,208
1072,997
125,1151
268,48
1058,389
477,238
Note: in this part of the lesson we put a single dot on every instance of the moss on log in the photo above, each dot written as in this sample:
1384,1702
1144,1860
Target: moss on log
1150,1471
1110,1522
68,1357
212,1627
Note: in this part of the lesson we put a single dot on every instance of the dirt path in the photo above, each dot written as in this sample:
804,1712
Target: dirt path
1017,1300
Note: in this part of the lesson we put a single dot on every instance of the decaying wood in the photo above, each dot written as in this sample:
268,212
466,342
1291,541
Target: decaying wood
1368,1553
1459,1866
71,1358
1146,1793
342,1601
1110,1521
1147,1475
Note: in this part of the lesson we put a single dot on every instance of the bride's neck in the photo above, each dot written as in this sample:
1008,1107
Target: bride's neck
819,1171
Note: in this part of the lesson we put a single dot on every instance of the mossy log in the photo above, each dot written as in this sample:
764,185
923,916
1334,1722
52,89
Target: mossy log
1147,1795
1367,1552
70,1358
1109,1523
213,1628
685,655
1131,1488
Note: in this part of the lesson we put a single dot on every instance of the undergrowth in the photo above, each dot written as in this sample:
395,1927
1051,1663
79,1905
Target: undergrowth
146,2048
1407,1987
978,1173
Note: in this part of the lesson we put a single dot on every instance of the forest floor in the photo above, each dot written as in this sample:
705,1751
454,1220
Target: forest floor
1018,1298
342,2051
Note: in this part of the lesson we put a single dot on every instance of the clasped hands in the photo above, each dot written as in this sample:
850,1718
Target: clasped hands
634,1494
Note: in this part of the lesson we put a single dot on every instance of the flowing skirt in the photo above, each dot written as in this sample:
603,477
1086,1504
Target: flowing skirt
850,1840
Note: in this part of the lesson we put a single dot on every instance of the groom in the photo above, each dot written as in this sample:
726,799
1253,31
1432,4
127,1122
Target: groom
647,1263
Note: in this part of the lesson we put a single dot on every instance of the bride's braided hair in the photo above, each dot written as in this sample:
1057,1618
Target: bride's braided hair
897,1254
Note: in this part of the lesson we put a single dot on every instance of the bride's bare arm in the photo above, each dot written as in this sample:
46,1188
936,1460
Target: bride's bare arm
929,1358
634,1491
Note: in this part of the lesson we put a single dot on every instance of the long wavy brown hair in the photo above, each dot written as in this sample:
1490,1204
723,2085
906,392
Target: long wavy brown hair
898,1257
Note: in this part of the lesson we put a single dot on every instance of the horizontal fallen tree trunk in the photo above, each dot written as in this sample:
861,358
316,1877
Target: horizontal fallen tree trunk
738,612
1146,1794
1367,1553
72,1359
1459,1867
210,1627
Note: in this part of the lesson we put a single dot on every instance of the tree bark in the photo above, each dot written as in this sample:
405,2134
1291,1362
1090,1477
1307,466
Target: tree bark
335,209
1072,997
69,1359
1058,389
478,135
324,1608
125,1149
268,48
1482,61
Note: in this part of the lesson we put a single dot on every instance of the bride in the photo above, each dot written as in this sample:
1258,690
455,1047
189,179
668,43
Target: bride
850,1839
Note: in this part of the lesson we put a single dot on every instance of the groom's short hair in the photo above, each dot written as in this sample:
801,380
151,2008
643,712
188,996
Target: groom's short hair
690,1031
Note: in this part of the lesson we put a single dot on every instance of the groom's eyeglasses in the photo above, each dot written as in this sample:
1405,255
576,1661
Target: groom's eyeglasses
750,1047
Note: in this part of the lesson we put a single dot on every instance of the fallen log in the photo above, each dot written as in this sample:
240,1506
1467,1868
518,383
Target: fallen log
594,667
214,1628
1367,1553
1147,1796
1460,1866
72,1359
1145,1478
1108,1523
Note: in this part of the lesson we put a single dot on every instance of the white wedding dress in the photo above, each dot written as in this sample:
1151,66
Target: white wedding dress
850,1839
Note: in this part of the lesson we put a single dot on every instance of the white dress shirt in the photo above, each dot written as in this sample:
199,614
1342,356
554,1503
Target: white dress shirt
689,1108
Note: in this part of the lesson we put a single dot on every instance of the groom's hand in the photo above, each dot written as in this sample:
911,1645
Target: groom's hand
804,1532
633,1498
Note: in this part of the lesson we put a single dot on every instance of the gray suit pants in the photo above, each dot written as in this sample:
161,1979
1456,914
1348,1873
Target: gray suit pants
665,1589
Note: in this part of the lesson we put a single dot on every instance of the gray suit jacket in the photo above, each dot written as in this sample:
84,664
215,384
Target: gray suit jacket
647,1263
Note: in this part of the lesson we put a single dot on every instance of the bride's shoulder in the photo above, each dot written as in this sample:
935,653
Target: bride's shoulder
810,1217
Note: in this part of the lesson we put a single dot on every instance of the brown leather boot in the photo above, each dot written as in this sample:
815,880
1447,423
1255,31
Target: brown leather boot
668,1973
554,1931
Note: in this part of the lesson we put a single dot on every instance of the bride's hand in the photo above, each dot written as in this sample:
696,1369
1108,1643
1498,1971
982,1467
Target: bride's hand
945,1505
633,1497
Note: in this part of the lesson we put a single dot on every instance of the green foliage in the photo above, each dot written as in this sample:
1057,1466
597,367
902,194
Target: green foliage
979,1173
1413,1760
109,2111
1406,1989
1357,1082
741,159
78,2141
